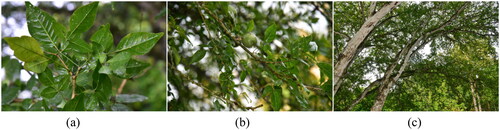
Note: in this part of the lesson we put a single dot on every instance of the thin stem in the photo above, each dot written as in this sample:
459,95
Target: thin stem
203,18
124,81
238,42
73,83
217,95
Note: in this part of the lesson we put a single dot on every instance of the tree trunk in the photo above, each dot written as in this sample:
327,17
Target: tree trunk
475,96
474,102
350,50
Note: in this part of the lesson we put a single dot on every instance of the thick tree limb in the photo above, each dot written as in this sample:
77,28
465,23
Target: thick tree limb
408,52
349,52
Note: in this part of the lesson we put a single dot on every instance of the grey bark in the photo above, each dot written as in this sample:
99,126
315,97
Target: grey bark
350,50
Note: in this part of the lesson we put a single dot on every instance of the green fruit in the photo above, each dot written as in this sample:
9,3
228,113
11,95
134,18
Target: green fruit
249,39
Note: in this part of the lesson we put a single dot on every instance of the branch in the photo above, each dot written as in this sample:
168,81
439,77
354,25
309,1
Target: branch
451,19
372,9
325,14
73,77
343,34
228,101
238,42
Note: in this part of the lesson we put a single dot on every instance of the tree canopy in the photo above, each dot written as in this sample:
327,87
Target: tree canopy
249,56
420,56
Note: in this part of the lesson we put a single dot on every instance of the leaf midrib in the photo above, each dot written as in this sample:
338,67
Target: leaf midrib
45,29
80,22
29,51
127,48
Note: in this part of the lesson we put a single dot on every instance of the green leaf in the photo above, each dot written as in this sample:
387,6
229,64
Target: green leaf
44,28
270,33
12,69
64,81
198,56
49,92
138,43
130,98
37,66
300,98
84,79
102,83
276,98
243,76
82,20
75,104
267,91
314,20
79,45
182,33
177,58
218,106
25,48
105,70
250,26
31,83
46,78
102,38
134,67
120,107
26,104
9,93
326,69
38,106
118,63
327,87
92,103
102,57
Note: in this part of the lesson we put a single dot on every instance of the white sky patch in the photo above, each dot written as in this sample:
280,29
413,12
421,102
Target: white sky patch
196,90
193,40
25,94
425,51
16,3
175,93
58,4
371,76
266,5
302,25
70,6
25,76
35,3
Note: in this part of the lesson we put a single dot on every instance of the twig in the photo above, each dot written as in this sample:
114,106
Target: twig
238,42
73,83
228,101
328,17
204,21
124,81
73,76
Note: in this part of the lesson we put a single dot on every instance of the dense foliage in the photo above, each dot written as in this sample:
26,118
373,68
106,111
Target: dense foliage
76,68
249,56
421,56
